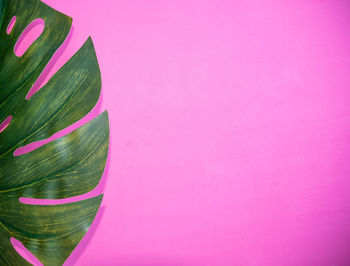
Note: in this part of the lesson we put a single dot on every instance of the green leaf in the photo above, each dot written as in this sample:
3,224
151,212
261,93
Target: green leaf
68,166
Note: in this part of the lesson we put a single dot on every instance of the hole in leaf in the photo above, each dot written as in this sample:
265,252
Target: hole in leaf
28,36
11,24
25,253
32,201
5,123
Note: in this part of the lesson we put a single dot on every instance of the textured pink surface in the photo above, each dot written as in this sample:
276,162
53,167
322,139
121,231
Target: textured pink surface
230,131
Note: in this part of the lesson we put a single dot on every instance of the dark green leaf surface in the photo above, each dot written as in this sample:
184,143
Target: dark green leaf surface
69,166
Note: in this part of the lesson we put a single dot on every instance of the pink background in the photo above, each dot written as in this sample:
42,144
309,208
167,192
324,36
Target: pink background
230,131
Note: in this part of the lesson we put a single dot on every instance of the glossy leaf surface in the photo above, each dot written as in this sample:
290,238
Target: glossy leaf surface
68,166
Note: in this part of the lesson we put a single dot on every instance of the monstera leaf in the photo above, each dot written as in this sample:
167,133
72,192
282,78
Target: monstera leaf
65,167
